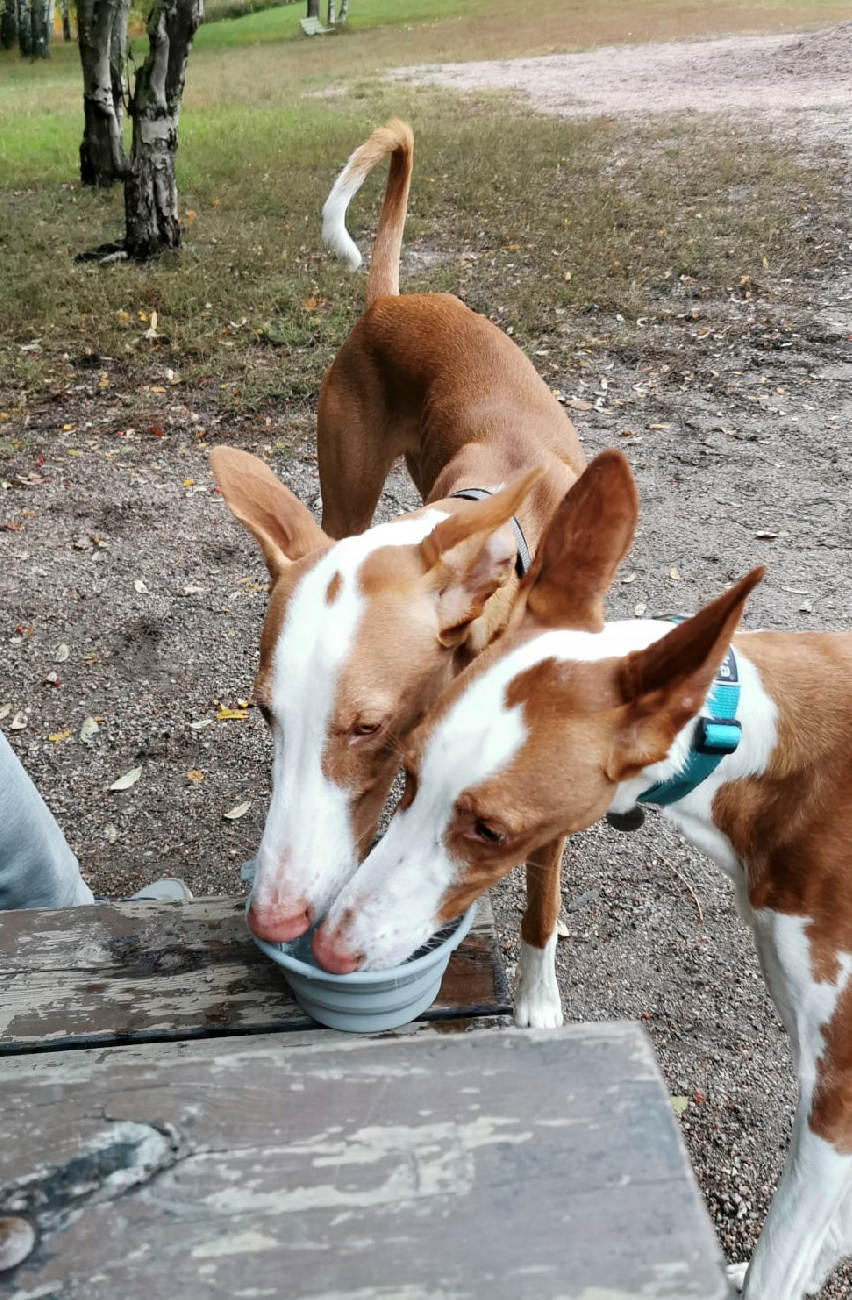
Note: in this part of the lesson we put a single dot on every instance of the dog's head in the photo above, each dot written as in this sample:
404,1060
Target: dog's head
534,739
360,637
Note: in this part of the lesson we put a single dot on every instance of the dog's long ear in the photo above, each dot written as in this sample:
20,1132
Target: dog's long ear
585,542
467,556
284,528
665,685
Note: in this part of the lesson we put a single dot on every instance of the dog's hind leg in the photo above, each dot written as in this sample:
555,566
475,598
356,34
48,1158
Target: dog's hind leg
537,1001
804,1229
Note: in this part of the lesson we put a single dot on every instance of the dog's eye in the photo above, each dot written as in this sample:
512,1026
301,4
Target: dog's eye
366,728
488,833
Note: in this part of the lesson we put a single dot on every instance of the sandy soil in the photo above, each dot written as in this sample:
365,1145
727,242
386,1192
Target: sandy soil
735,425
798,81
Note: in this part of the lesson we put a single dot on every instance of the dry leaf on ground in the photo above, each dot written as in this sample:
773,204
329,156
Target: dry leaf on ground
239,810
130,778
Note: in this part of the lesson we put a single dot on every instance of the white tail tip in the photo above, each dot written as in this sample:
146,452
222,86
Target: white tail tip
334,230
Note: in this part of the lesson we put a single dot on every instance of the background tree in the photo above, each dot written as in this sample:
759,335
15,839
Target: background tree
41,26
102,39
150,187
66,21
344,11
8,25
23,18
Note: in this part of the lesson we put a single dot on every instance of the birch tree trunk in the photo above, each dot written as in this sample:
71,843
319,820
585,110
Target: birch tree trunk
344,11
150,189
102,38
41,20
25,28
8,25
332,13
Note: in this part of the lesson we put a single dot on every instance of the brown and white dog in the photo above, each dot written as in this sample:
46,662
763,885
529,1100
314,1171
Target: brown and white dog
567,718
361,634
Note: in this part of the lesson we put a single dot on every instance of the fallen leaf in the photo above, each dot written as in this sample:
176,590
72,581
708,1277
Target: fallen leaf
659,426
193,589
239,810
62,652
631,577
674,575
203,722
89,729
224,714
639,610
19,721
130,778
5,709
139,586
679,1104
194,776
50,679
59,735
188,482
309,304
562,930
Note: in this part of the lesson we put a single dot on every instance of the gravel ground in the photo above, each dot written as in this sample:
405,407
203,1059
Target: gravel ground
114,544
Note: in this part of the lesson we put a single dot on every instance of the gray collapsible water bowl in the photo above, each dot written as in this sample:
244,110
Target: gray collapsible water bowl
366,1001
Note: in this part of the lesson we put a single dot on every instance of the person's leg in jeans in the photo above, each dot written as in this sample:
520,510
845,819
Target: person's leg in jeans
37,868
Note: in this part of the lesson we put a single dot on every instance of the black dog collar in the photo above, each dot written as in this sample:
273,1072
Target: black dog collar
523,559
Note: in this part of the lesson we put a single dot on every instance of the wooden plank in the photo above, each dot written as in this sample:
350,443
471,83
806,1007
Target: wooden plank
156,971
518,1166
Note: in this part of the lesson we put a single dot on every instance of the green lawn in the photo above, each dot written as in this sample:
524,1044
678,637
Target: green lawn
269,116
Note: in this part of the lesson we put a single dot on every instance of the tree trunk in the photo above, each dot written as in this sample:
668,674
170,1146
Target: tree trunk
41,18
102,38
313,8
332,13
8,25
150,190
66,21
25,28
344,11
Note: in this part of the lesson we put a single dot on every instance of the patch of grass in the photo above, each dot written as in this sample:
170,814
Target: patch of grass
527,225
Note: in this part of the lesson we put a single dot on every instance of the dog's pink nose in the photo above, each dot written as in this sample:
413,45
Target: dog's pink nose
276,925
332,955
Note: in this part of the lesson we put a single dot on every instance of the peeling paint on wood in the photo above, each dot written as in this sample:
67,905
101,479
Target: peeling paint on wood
157,971
405,1168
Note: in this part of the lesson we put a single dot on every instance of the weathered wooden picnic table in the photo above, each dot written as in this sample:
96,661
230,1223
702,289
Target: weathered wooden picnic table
172,1124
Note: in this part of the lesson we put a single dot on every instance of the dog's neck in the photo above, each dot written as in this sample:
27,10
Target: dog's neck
697,814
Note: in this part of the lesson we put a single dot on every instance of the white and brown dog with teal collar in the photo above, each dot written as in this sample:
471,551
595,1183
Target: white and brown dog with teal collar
567,718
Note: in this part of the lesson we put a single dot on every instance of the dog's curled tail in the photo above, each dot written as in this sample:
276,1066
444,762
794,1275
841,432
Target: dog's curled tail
396,139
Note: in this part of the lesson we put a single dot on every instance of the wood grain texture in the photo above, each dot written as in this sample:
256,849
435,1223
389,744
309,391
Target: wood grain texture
508,1165
156,971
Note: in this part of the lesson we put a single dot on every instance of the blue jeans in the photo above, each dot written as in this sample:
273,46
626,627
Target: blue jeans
37,868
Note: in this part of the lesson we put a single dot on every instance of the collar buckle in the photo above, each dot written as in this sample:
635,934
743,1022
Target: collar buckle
717,736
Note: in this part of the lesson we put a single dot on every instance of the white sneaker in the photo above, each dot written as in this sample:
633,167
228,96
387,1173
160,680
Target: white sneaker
167,890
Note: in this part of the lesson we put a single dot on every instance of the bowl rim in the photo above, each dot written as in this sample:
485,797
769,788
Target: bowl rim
355,979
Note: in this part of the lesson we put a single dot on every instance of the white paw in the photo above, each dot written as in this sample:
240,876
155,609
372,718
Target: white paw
737,1275
539,1009
537,1001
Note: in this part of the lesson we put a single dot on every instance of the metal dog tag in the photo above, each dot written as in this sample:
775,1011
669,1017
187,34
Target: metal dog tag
627,821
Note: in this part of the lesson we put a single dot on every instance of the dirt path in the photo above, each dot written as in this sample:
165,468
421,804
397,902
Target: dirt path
800,80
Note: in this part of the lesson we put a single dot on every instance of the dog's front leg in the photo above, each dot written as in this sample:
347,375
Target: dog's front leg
807,1228
537,1001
